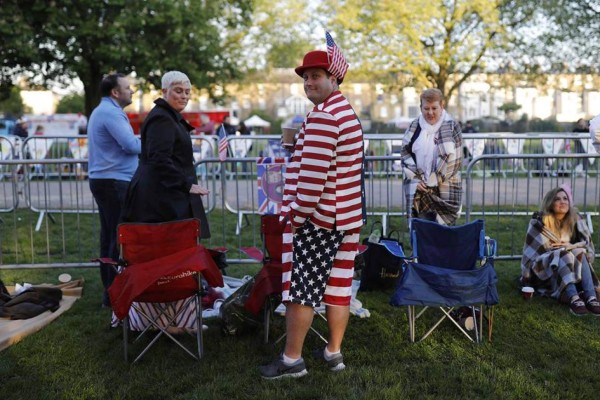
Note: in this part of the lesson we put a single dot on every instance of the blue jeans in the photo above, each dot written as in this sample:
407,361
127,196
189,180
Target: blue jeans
586,283
110,196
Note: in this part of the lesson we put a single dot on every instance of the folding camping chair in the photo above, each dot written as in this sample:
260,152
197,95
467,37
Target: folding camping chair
451,269
162,263
266,292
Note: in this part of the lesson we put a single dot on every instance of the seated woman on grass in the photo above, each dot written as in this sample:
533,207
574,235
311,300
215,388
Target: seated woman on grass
558,255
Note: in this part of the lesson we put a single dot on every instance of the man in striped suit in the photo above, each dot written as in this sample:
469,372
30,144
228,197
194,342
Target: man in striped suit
323,209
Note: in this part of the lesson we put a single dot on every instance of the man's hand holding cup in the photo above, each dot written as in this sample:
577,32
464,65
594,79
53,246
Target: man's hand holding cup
288,138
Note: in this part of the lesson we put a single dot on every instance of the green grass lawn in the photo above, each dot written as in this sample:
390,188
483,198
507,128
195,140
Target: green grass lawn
539,350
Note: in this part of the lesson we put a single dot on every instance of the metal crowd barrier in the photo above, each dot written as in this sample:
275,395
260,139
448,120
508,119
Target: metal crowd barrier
509,197
51,199
55,147
9,199
478,144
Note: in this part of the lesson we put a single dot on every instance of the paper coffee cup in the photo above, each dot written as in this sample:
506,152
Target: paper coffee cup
527,292
288,135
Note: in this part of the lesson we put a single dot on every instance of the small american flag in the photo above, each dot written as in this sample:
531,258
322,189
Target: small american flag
337,63
222,143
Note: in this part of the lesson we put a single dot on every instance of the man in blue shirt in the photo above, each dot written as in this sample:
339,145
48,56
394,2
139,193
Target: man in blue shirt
113,158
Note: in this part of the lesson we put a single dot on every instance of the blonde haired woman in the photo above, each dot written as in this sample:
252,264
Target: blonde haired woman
558,254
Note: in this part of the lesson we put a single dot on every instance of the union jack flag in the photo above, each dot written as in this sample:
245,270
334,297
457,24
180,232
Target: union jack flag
222,143
337,63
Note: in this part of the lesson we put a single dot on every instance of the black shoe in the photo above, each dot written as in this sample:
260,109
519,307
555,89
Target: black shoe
593,306
277,369
335,364
578,307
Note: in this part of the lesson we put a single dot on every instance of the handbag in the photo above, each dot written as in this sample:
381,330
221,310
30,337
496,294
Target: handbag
383,261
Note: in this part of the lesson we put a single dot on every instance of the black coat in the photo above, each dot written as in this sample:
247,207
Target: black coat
160,188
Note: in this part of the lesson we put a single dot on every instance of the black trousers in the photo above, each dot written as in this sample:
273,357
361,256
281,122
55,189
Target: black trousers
110,197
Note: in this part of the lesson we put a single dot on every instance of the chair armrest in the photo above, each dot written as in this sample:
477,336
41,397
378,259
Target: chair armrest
490,248
253,252
105,260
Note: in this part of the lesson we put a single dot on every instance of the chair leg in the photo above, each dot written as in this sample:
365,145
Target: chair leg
476,324
125,324
411,323
199,322
446,315
311,329
490,322
169,322
317,332
199,325
266,320
480,324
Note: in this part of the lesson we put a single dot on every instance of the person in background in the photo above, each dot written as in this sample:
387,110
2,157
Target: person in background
323,217
595,132
432,158
112,159
229,129
245,131
558,254
39,130
468,128
81,124
20,129
581,126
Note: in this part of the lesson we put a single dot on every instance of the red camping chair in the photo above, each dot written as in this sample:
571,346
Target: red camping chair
266,291
162,262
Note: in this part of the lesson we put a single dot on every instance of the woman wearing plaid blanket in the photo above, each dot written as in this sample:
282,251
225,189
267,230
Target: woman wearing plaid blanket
558,254
431,158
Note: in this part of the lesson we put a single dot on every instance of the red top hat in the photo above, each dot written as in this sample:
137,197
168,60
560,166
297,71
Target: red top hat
314,59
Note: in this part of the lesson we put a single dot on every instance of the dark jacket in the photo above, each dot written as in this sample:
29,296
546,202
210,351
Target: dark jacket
20,131
160,188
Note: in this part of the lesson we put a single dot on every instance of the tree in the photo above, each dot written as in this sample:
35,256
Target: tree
72,103
439,43
280,33
59,40
12,104
509,108
569,38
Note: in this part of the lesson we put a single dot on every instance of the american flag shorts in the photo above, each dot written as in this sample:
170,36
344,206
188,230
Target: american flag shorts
314,253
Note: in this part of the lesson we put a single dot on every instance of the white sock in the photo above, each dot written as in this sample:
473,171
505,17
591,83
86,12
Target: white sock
329,355
289,361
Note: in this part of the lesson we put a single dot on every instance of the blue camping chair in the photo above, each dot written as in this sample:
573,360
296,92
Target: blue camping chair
451,269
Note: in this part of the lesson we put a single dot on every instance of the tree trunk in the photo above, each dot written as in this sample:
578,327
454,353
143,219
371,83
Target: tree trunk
91,87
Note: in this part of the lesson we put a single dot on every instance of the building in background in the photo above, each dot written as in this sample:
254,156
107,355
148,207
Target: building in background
281,96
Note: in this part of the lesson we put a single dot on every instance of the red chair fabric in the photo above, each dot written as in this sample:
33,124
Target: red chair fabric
268,280
162,259
272,233
266,283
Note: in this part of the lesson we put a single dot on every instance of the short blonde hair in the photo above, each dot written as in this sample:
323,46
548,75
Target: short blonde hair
432,95
172,77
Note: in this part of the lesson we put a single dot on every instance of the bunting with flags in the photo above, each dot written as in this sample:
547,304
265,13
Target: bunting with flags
337,62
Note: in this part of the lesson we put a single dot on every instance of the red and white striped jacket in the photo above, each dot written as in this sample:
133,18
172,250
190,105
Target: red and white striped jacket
323,178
